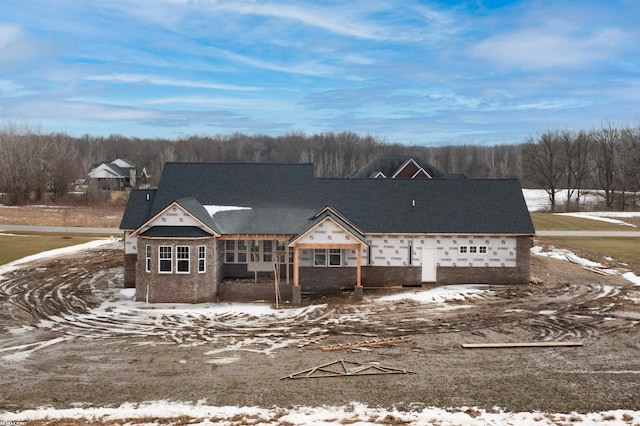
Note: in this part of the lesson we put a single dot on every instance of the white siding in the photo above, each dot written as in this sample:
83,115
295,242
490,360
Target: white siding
174,217
327,233
130,244
393,250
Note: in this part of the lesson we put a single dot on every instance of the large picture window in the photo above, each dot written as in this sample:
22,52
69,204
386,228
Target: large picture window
165,259
182,260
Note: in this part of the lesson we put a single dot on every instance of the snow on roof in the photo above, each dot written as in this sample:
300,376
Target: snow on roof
213,209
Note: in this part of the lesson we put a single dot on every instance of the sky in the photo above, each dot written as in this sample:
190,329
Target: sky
412,72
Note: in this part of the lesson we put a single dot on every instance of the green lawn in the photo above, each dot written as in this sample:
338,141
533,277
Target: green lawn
13,247
625,250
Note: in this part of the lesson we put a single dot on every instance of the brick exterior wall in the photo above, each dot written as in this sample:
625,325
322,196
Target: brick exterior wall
250,292
318,280
388,276
193,287
207,287
130,270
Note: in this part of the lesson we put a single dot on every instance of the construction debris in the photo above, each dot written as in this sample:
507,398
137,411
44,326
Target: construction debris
520,345
312,340
342,368
376,342
600,271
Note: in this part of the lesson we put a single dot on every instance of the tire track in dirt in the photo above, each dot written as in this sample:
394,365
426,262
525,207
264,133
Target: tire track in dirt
83,301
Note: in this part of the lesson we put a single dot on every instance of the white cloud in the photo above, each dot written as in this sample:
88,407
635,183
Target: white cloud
548,47
162,81
9,34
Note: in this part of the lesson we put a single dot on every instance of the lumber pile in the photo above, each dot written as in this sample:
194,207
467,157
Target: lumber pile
520,345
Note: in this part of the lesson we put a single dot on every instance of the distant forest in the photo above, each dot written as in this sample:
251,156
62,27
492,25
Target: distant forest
34,165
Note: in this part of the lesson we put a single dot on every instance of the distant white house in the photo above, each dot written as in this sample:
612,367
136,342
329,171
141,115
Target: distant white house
118,175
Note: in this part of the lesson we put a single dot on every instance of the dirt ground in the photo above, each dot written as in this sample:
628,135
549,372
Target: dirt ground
65,341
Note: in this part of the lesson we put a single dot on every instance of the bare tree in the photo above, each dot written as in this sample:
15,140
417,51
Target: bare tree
543,160
607,143
21,154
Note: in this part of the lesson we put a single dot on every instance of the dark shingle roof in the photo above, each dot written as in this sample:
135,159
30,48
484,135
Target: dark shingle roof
138,208
283,199
175,232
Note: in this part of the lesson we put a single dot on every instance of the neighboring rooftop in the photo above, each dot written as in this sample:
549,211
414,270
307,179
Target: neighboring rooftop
401,167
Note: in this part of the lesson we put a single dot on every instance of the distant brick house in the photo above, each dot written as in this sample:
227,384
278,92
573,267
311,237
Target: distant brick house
210,230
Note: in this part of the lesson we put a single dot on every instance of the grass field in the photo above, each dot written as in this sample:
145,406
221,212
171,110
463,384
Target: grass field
554,222
16,246
625,250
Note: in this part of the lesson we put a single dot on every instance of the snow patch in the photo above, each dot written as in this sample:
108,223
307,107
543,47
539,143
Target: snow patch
605,216
630,276
9,267
439,294
159,412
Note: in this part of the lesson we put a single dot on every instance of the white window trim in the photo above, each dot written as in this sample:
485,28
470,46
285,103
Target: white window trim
327,258
202,258
182,259
147,258
160,259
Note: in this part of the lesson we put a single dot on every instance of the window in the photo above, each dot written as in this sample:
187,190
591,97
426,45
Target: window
242,252
235,251
229,248
327,257
319,257
164,257
148,258
202,256
182,259
473,249
335,257
267,247
281,247
255,251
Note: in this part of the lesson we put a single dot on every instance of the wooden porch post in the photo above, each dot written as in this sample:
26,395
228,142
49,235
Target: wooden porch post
359,271
286,260
296,297
358,290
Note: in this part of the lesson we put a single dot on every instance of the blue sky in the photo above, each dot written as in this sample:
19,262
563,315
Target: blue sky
412,72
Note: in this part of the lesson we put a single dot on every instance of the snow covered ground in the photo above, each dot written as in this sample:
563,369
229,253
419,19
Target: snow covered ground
162,412
538,199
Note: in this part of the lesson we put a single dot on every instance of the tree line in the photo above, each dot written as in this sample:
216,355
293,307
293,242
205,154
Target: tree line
35,165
